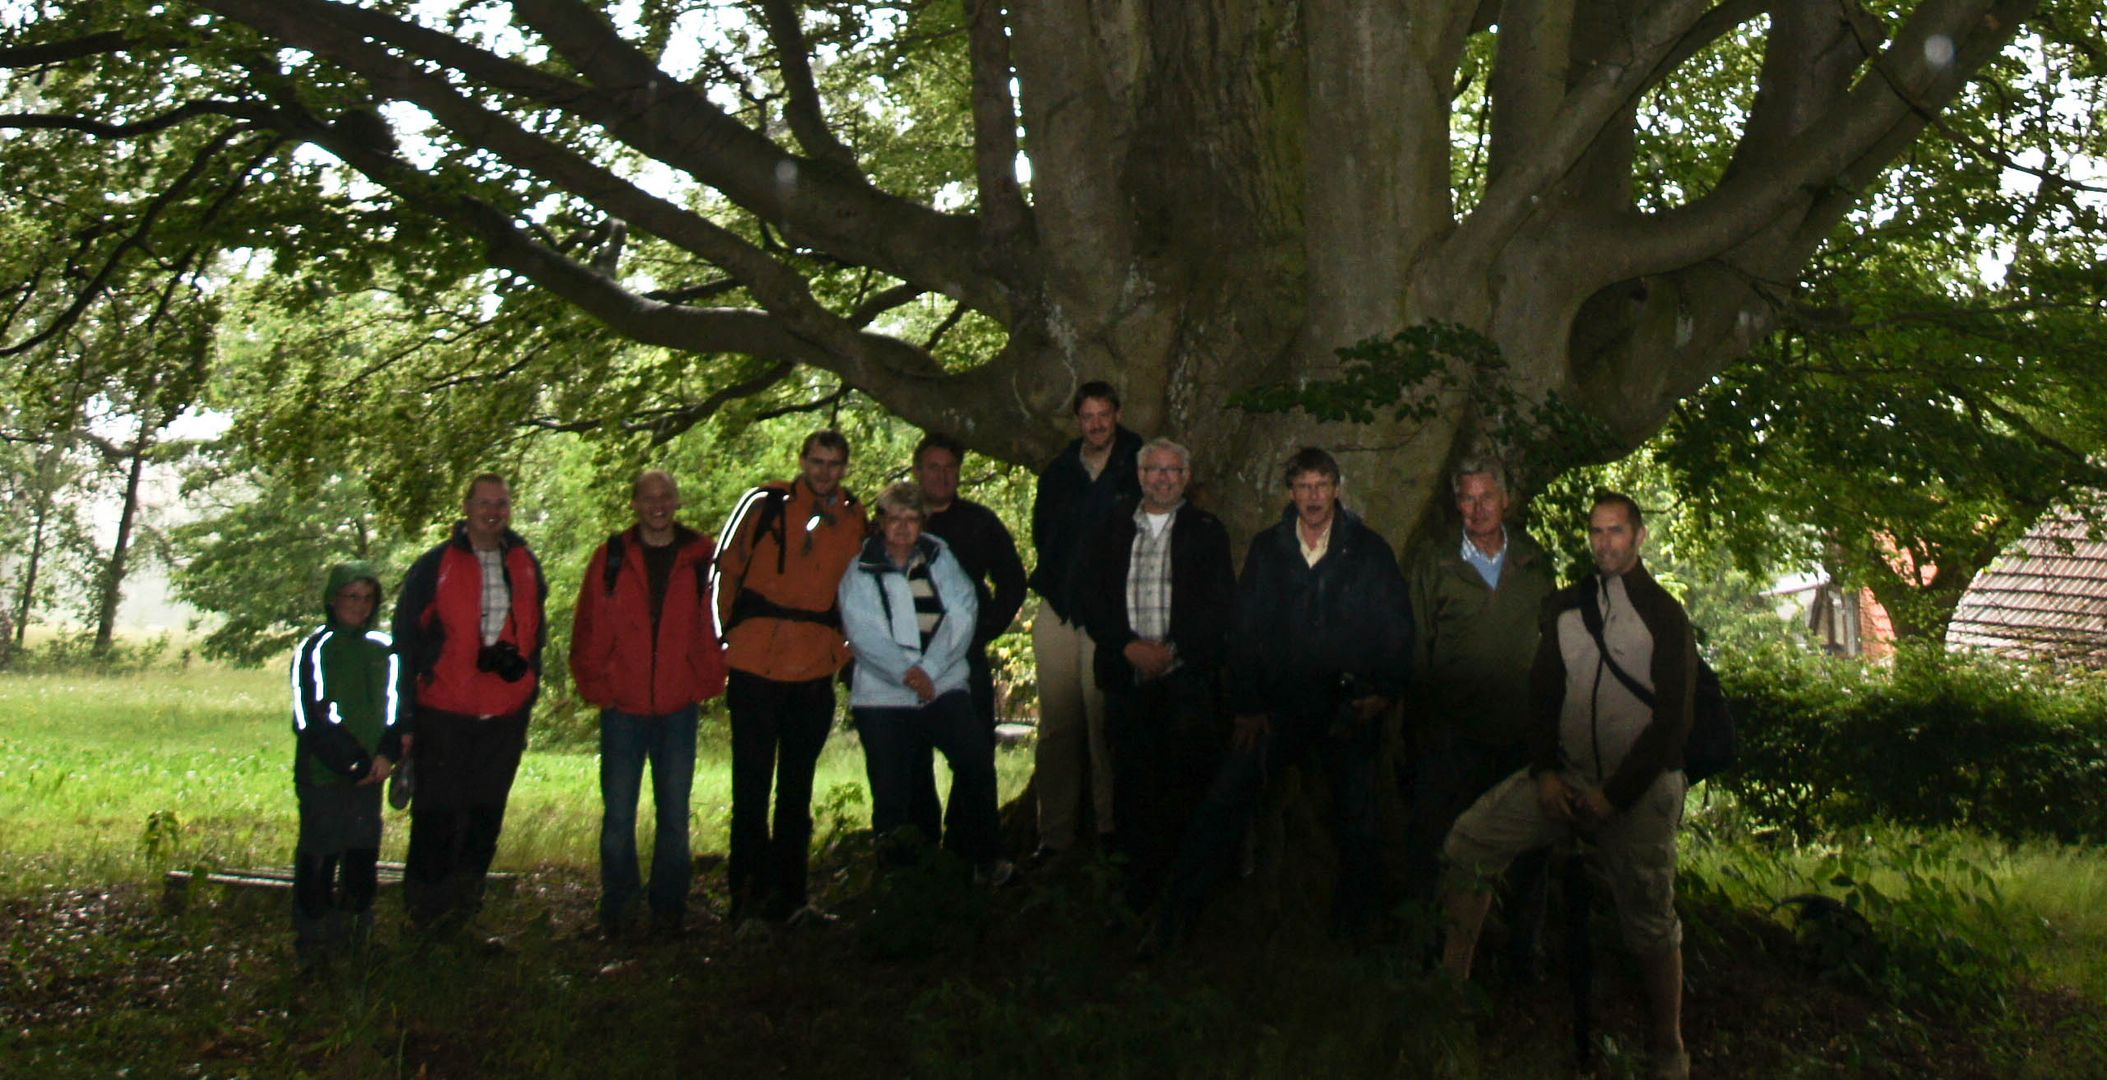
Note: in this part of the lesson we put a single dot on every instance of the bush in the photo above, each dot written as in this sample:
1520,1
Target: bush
1933,740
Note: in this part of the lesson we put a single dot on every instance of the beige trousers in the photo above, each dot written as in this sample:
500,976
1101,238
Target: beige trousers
1635,849
1071,732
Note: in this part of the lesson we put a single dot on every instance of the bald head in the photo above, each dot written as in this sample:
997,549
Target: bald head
655,498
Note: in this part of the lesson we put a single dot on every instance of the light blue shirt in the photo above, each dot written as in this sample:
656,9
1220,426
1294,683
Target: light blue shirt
1488,566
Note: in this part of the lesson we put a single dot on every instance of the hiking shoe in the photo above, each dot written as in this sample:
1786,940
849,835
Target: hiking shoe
994,874
402,785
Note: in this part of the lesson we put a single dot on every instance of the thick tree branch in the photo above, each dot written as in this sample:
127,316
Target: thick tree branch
1854,139
886,300
669,423
1528,79
240,110
803,112
58,52
135,240
1003,214
1599,94
840,214
642,106
781,291
1078,145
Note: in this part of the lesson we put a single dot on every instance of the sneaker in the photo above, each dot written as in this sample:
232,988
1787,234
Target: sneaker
402,785
994,874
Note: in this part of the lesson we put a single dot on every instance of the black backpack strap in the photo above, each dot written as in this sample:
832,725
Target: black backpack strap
1591,617
611,571
772,504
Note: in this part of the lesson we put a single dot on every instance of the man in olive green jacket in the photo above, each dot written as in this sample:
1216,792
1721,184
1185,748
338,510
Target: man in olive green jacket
1476,597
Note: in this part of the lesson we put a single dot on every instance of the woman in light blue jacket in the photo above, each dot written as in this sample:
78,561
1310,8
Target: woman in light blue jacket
908,610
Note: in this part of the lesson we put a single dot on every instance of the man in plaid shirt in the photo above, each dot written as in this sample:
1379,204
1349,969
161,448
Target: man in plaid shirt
1158,592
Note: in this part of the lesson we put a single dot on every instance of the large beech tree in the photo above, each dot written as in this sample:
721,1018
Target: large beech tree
1192,198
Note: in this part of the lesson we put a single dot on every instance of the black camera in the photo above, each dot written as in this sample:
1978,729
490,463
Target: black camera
504,661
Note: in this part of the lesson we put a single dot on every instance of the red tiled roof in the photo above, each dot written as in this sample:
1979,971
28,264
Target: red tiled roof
2046,598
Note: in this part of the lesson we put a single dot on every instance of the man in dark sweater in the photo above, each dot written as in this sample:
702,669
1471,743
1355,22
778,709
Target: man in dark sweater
1077,493
1611,694
985,551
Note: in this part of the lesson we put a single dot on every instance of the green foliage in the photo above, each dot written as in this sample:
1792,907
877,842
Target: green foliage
1413,375
76,650
1932,386
258,563
1690,557
1933,741
1044,989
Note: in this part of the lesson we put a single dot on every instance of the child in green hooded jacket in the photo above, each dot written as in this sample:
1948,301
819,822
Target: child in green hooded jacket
346,696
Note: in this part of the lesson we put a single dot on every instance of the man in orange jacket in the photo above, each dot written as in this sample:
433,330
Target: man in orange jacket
644,649
785,549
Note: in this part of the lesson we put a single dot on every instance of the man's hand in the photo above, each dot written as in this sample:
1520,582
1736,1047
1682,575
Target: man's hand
1592,807
1150,658
1555,796
381,768
1249,730
918,681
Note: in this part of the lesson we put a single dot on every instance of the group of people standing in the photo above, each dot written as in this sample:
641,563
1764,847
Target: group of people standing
1172,689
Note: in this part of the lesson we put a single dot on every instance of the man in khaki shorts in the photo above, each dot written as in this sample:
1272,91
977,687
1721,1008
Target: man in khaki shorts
1606,764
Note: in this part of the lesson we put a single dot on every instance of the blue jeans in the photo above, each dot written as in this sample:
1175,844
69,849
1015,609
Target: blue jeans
892,738
627,740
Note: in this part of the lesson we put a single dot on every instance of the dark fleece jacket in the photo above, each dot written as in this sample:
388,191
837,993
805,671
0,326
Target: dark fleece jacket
1300,628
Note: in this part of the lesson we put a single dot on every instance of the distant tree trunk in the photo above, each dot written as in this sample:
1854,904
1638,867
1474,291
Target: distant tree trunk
115,569
25,599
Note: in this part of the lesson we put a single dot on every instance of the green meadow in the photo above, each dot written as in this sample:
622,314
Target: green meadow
1978,958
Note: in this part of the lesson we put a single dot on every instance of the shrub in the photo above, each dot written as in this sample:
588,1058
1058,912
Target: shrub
1933,740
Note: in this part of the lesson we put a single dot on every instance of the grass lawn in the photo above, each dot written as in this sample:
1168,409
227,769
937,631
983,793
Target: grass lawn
1994,959
94,769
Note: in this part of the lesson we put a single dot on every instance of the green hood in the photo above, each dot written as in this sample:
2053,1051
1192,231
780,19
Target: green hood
345,573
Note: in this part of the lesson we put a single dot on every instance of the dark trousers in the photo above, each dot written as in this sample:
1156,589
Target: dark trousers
1348,756
465,768
1167,739
1445,781
627,742
778,730
923,808
895,742
334,865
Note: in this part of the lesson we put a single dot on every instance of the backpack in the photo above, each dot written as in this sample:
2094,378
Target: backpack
1709,750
